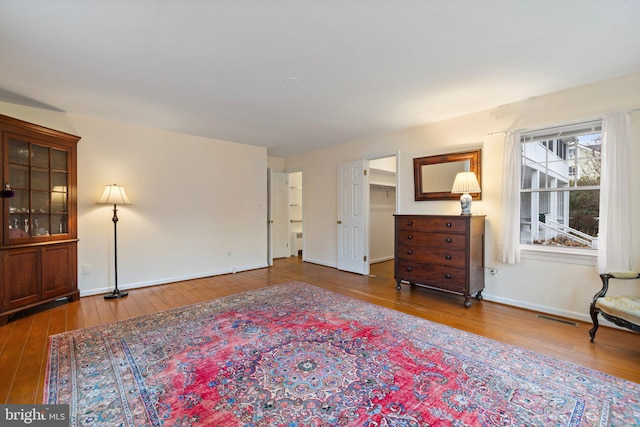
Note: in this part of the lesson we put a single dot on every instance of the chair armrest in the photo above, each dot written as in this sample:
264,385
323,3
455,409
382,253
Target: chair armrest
613,275
624,274
605,287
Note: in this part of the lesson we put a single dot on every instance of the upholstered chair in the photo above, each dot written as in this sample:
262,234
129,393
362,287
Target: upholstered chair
623,310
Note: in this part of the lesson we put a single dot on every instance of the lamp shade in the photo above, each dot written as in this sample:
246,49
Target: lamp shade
466,182
114,195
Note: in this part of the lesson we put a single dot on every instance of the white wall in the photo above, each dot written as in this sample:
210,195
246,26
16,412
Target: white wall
199,205
554,287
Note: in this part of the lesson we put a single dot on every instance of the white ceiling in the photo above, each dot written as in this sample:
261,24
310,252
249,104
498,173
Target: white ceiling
220,68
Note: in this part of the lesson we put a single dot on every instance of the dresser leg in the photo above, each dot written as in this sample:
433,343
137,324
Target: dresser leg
467,301
398,287
479,296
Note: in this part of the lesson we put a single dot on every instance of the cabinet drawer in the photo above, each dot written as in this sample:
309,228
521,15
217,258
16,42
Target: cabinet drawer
435,240
433,224
440,256
441,276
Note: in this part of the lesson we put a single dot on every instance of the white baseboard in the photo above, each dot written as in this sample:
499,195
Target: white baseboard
382,259
313,261
164,281
583,317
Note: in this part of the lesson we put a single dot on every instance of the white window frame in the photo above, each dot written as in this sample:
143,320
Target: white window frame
572,255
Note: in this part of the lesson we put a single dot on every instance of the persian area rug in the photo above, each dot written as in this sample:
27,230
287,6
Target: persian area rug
298,355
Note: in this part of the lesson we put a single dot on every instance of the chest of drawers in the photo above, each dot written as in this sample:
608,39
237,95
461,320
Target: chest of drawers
442,252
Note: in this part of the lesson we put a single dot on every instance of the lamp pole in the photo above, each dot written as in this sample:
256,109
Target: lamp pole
117,293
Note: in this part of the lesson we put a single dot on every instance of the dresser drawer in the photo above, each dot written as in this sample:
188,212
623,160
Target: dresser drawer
434,224
440,256
435,240
445,277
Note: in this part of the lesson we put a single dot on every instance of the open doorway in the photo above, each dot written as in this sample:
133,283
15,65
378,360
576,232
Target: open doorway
382,208
284,215
295,213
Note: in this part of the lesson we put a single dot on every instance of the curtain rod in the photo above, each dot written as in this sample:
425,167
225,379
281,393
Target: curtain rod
502,132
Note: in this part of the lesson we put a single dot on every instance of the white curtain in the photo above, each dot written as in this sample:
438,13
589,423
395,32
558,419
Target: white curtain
511,199
614,237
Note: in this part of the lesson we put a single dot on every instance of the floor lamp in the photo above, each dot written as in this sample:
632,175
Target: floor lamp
115,195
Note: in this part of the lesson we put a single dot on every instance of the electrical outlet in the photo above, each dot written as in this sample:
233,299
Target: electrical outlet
493,272
86,269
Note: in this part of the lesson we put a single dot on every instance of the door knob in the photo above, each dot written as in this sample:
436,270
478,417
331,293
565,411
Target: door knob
339,222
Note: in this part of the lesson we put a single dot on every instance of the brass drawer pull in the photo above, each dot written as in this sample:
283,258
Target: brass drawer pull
449,224
409,223
448,276
409,237
449,240
409,269
409,252
447,256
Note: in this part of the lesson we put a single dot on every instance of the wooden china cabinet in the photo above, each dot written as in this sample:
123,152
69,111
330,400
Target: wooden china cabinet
38,248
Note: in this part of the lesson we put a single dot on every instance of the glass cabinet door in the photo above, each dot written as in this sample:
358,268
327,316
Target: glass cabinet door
39,177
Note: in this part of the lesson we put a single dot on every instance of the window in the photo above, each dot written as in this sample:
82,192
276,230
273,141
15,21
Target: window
560,185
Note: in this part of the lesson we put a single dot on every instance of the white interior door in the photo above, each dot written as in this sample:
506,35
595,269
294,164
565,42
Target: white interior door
279,220
269,221
353,194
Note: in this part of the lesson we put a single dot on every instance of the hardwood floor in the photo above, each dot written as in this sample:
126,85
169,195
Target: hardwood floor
24,340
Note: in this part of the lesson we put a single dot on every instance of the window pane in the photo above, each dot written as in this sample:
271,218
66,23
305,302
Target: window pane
584,211
561,218
19,203
59,224
19,177
58,160
40,225
58,202
585,160
18,152
39,179
58,181
40,202
39,156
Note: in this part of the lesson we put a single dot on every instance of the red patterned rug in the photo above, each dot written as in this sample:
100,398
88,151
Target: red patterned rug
298,355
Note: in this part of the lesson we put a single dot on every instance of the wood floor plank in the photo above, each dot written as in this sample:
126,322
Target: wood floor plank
27,373
11,355
24,340
156,299
75,318
89,311
4,336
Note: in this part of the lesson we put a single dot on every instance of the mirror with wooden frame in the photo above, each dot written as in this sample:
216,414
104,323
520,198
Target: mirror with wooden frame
433,176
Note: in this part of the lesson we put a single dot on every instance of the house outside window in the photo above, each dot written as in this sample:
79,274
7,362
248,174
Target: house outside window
560,186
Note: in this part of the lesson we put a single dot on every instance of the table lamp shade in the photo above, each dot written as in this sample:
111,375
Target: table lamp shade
466,182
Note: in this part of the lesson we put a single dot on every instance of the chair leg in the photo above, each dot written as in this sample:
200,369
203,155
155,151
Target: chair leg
594,318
